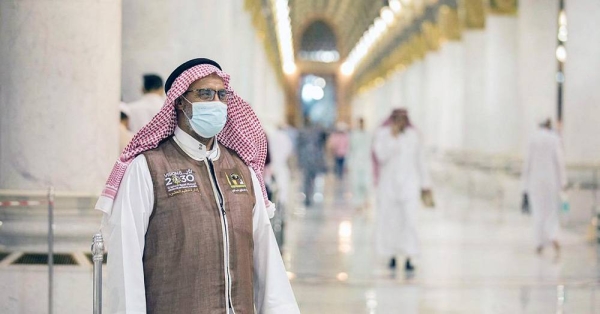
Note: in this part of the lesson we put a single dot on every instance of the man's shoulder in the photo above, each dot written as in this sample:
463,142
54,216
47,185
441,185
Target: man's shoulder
158,149
137,165
230,152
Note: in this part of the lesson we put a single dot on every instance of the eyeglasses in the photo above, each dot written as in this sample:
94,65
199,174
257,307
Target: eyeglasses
207,94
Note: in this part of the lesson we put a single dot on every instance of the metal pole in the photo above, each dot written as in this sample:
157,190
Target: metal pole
595,211
97,257
50,249
560,74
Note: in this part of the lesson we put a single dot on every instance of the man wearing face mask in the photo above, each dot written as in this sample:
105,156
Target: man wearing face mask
186,219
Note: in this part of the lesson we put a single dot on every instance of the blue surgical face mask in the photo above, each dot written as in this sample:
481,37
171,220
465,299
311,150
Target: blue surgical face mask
208,118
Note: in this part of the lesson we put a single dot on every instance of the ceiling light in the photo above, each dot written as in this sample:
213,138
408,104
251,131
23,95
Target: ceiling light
347,68
289,68
396,6
284,35
561,53
319,81
387,15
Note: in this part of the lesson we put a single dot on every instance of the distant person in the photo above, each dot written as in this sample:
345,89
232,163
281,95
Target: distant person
144,109
281,148
311,157
339,143
125,135
544,177
359,164
402,181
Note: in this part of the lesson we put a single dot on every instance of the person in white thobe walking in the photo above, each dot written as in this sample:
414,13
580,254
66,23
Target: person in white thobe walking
544,177
282,148
358,164
402,181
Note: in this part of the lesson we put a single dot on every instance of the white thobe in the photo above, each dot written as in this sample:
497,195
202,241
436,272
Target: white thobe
143,110
402,176
359,165
280,148
125,228
544,176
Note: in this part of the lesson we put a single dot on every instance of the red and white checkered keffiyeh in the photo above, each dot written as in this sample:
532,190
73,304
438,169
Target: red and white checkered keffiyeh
242,133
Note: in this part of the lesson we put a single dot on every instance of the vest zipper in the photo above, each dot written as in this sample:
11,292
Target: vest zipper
225,227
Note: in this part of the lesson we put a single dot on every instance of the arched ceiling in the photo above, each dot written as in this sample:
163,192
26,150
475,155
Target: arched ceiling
348,19
423,26
318,36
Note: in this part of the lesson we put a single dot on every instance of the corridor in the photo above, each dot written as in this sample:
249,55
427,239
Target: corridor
488,108
478,261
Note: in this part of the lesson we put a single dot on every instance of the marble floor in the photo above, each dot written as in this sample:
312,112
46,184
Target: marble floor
473,261
479,260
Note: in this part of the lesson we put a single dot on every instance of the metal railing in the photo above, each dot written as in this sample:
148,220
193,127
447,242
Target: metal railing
29,199
26,203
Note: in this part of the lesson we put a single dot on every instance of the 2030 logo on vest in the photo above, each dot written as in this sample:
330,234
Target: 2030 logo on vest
181,181
236,181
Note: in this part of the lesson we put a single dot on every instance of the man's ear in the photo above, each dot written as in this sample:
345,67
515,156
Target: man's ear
178,104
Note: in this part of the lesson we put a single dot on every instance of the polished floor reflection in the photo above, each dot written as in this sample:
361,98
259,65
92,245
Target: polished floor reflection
477,260
480,260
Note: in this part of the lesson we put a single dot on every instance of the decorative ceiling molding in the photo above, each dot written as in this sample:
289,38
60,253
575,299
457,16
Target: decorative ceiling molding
474,14
437,22
504,7
424,26
348,19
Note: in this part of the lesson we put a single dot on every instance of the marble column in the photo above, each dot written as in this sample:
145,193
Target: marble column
59,93
502,111
395,90
537,25
433,99
474,79
259,88
451,107
149,46
273,112
415,93
359,108
582,78
372,106
244,37
160,35
405,90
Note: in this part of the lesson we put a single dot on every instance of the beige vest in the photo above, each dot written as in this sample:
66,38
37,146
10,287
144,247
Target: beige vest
186,265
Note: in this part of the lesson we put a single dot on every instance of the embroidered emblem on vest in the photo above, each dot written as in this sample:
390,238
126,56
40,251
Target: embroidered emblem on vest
181,181
236,181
